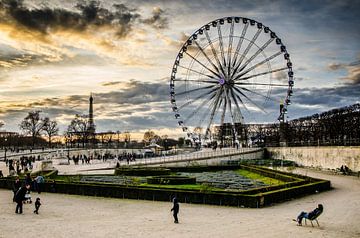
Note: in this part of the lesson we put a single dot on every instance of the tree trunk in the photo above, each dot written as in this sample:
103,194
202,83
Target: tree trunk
49,141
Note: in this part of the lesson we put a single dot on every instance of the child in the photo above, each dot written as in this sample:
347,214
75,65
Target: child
37,205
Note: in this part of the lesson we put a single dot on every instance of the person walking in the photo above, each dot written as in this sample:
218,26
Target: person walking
175,210
20,197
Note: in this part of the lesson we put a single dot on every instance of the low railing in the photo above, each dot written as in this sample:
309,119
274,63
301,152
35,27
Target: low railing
199,155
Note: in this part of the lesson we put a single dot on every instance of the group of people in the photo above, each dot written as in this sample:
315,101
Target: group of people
345,170
87,159
82,158
21,196
24,164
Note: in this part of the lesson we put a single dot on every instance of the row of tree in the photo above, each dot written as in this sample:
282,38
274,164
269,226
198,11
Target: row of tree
35,126
339,126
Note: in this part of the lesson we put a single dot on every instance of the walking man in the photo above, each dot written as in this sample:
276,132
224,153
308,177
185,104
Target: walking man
175,210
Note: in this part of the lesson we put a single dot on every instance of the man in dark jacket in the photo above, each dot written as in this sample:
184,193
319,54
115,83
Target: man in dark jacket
16,187
20,197
310,215
175,210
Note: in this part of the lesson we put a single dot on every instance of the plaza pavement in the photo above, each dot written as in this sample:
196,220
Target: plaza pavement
80,216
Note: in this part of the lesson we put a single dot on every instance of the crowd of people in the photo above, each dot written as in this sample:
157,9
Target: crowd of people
23,164
128,157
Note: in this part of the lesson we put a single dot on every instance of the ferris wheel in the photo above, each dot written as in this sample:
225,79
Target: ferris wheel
227,71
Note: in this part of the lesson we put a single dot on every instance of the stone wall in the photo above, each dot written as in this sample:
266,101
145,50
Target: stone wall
320,157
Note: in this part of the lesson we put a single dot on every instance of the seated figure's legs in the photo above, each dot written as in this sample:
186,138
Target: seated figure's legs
301,216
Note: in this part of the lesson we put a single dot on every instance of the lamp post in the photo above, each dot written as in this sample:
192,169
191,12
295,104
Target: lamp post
5,150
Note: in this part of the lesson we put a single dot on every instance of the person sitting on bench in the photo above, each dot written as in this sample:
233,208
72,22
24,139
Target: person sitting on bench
310,215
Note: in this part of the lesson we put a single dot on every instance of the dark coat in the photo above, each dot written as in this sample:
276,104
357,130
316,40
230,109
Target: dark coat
175,208
20,195
17,185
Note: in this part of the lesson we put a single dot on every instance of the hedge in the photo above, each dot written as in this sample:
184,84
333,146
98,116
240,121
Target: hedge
296,186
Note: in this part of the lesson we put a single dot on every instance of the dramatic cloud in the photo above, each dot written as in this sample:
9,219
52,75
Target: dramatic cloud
158,19
353,71
136,106
135,93
49,31
47,20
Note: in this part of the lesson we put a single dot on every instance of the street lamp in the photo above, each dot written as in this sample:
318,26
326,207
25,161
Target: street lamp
5,150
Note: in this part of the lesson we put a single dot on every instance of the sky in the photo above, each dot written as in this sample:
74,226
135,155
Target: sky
54,53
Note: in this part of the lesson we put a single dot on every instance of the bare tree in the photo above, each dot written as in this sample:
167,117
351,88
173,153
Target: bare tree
150,136
79,128
127,138
50,127
32,125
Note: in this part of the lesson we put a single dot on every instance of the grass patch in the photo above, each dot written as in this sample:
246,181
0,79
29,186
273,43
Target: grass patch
198,187
259,177
180,186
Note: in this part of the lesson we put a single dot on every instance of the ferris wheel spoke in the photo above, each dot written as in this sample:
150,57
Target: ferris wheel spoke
261,49
246,51
223,112
195,81
262,84
213,111
195,71
197,109
239,99
221,45
216,74
207,112
207,57
260,74
214,52
231,37
260,63
249,99
194,90
238,47
259,94
231,115
197,98
237,105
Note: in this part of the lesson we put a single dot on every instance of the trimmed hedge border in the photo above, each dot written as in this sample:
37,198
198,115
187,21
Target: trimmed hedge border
255,198
141,171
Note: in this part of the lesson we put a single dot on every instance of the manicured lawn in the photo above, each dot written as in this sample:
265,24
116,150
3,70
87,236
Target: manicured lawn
259,177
